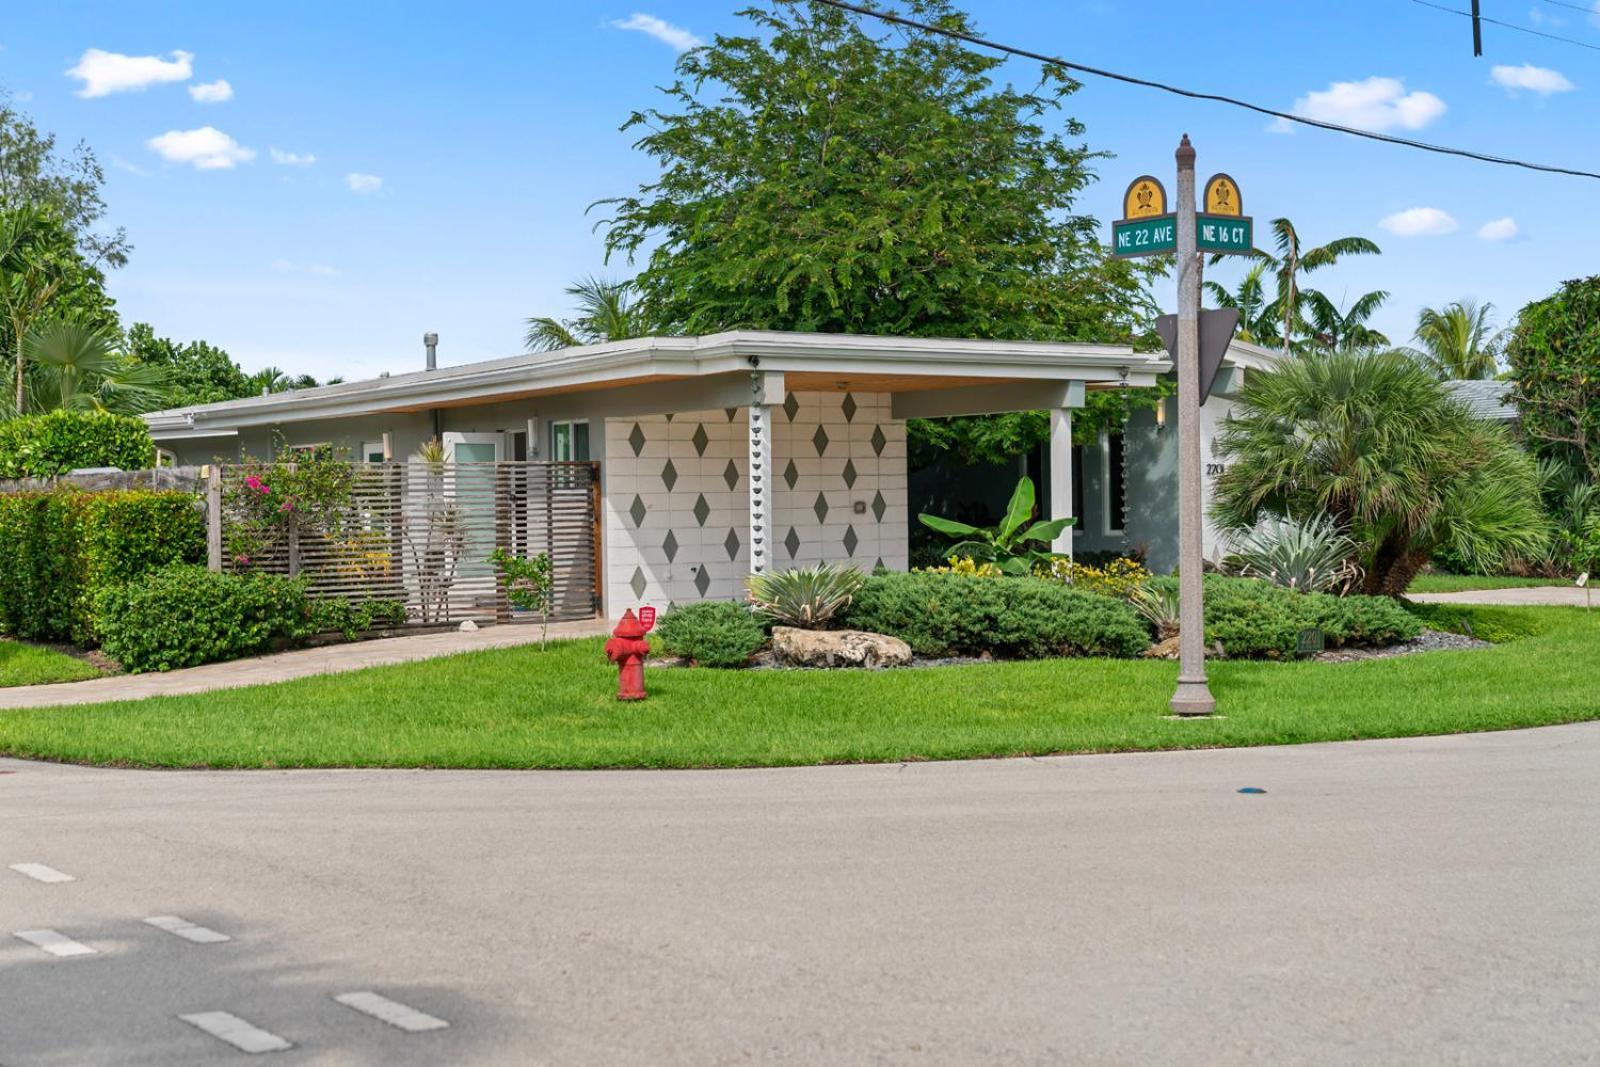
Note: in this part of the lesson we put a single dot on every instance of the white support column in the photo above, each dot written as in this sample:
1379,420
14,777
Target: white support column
763,388
1061,475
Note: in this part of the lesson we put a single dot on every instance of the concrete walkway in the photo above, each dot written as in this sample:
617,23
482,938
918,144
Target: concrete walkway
1560,595
301,663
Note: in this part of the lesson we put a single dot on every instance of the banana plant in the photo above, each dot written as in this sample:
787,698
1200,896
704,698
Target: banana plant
1015,546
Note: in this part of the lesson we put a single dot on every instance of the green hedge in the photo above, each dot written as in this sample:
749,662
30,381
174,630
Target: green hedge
712,633
44,446
1256,619
185,615
63,547
953,614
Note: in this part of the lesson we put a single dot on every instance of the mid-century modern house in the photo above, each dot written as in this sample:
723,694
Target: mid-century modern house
723,454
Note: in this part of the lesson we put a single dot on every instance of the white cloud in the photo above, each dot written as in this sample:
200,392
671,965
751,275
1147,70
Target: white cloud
206,148
291,159
1541,80
1420,222
1377,104
216,92
104,73
660,29
1499,230
363,183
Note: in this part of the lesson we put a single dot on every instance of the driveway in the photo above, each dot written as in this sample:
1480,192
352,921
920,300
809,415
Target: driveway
1418,901
1527,596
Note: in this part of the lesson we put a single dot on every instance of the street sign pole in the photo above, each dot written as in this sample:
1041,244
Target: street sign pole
1193,696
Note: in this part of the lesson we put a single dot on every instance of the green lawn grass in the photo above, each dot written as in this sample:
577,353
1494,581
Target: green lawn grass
524,707
1460,583
30,665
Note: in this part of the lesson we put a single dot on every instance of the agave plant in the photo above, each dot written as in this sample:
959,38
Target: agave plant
1017,546
806,597
1159,604
1311,556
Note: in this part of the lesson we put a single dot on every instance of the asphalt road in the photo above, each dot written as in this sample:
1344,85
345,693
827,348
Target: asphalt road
1422,901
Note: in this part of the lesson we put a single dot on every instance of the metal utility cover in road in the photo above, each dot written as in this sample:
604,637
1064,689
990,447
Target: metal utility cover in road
1225,233
1217,328
1153,236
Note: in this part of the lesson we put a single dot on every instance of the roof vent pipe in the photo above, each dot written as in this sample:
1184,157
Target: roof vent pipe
431,341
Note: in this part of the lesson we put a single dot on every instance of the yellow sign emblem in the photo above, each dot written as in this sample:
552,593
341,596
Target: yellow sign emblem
1146,197
1222,196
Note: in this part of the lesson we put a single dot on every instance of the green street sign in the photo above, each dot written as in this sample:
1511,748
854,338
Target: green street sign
1150,236
1224,233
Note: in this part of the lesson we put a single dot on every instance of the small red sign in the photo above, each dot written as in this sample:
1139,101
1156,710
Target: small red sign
647,618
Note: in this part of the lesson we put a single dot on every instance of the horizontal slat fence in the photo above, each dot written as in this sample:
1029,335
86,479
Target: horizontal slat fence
422,533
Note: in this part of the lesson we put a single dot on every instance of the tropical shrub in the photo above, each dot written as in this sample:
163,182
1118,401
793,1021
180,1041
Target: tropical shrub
1254,619
1117,577
963,565
1159,604
262,501
62,547
183,616
1376,443
50,445
1016,546
712,633
1310,556
951,614
807,597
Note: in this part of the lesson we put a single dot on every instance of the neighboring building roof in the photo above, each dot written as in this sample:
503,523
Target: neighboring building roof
891,364
1488,399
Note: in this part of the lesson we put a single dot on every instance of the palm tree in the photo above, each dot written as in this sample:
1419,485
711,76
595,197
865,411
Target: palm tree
1458,341
78,368
607,311
28,282
1292,261
1256,313
1374,441
1335,330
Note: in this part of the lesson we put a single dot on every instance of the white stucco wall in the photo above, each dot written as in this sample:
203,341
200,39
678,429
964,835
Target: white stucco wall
679,534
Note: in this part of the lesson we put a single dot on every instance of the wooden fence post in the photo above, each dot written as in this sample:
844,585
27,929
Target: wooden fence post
294,545
213,477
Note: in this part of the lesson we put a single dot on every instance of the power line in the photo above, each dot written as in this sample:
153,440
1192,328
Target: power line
1511,25
1589,9
1504,161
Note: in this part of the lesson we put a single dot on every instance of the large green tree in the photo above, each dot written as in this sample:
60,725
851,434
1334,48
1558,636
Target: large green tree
818,174
1375,441
1293,262
607,311
196,372
35,173
1554,356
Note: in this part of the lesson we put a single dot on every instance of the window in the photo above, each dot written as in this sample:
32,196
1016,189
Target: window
569,441
301,453
1116,496
1077,484
372,452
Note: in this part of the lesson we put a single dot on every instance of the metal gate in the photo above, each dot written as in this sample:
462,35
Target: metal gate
422,533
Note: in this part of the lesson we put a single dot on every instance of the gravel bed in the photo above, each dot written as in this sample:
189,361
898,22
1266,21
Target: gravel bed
1426,641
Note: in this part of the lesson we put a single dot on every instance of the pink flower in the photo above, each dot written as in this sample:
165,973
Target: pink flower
288,505
255,483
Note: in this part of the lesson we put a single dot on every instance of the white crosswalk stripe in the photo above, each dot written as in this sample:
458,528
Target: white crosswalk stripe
391,1011
55,943
187,930
225,1026
40,873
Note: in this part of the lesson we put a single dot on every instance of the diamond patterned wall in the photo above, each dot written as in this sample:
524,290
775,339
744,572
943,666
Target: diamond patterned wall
677,500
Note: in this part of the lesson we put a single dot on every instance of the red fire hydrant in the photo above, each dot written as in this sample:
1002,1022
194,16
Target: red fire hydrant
628,649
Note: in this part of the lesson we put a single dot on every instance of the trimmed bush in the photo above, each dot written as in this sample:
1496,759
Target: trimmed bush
63,547
185,615
712,633
352,617
1256,619
49,445
952,614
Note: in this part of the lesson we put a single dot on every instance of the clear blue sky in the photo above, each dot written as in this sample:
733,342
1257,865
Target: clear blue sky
456,148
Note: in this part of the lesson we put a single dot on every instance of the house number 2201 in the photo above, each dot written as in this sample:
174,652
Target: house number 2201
1214,470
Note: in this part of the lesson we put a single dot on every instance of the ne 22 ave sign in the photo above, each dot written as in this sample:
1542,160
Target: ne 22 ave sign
1158,235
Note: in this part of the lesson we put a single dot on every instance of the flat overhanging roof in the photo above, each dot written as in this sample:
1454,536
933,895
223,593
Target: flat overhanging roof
809,361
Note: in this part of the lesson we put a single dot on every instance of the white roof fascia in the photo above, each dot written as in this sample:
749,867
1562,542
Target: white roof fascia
683,357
